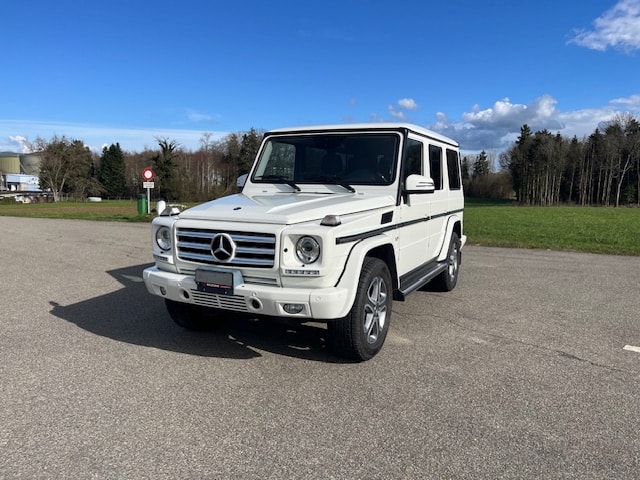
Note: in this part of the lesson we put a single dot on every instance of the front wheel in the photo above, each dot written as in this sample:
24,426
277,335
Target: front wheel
361,334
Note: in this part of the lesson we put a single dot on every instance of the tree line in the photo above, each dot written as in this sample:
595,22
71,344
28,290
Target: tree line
540,168
69,169
602,169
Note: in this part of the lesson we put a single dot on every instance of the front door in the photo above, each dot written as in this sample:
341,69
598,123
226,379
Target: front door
414,231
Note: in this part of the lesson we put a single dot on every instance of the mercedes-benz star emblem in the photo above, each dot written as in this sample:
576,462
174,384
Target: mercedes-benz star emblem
223,248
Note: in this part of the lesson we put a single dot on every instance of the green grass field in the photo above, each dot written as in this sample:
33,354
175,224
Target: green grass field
584,229
490,223
108,211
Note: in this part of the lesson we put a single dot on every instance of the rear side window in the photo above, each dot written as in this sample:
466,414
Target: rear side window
453,170
414,158
435,164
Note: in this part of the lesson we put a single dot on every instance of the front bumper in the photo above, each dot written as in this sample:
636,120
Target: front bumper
319,303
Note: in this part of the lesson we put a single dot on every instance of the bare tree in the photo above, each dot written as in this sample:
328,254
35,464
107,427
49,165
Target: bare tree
66,166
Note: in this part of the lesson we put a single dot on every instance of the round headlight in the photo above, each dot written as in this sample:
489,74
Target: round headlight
307,249
163,238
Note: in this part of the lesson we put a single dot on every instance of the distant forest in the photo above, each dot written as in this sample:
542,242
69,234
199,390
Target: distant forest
540,168
71,170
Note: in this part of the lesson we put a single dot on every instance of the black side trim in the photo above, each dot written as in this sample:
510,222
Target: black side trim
378,231
446,214
362,236
387,217
418,277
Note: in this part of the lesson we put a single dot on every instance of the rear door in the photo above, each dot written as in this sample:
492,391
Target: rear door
454,179
439,200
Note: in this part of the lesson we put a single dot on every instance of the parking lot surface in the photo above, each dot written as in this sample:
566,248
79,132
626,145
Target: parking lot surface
526,370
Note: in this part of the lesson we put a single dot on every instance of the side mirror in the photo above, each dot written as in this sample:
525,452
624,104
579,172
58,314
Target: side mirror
160,206
242,179
419,184
169,210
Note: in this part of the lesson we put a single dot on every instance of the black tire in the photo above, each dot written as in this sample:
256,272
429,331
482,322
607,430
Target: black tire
191,317
361,334
447,280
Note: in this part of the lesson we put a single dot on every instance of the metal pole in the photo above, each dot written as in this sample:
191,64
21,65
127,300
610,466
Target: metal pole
148,201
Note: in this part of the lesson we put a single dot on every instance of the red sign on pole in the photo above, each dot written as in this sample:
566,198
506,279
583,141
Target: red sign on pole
147,174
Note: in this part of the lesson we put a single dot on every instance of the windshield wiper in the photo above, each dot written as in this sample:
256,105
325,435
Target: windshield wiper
335,181
280,179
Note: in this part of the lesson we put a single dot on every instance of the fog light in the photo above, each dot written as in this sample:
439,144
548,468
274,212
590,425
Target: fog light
293,308
163,291
291,271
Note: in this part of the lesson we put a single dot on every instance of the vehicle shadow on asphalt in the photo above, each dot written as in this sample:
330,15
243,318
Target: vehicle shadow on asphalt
132,315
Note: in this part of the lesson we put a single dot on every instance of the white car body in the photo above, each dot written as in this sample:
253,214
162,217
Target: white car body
401,216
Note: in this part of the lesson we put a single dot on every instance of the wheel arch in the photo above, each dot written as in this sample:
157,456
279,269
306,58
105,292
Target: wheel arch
454,224
380,247
386,253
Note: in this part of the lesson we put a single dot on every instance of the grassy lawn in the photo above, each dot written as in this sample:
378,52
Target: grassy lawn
584,229
490,223
109,210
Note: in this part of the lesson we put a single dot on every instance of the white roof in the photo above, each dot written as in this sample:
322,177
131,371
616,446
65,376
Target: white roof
369,126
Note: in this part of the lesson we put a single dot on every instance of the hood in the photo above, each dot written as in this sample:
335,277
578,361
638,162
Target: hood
285,209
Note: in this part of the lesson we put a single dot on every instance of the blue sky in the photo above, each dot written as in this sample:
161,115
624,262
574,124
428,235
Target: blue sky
130,72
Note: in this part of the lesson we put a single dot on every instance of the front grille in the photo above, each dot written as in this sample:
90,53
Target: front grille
251,249
224,302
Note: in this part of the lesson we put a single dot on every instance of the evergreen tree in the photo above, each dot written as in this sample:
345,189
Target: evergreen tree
165,166
481,166
112,171
520,163
465,170
248,150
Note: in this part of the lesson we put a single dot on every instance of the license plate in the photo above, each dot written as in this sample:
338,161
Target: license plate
213,281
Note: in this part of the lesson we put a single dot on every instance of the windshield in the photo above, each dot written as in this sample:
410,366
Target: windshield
333,158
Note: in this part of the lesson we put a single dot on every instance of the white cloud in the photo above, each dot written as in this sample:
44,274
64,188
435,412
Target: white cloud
397,114
14,135
630,103
503,112
196,117
618,27
408,104
199,117
20,143
540,112
496,128
398,111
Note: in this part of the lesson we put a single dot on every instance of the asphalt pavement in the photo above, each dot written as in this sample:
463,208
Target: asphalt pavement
526,370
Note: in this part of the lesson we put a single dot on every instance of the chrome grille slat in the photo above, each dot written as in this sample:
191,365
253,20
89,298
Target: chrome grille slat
196,257
196,233
194,246
256,250
208,259
252,249
212,300
260,281
271,240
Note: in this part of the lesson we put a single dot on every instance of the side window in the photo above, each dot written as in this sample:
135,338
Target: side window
453,169
414,158
435,165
